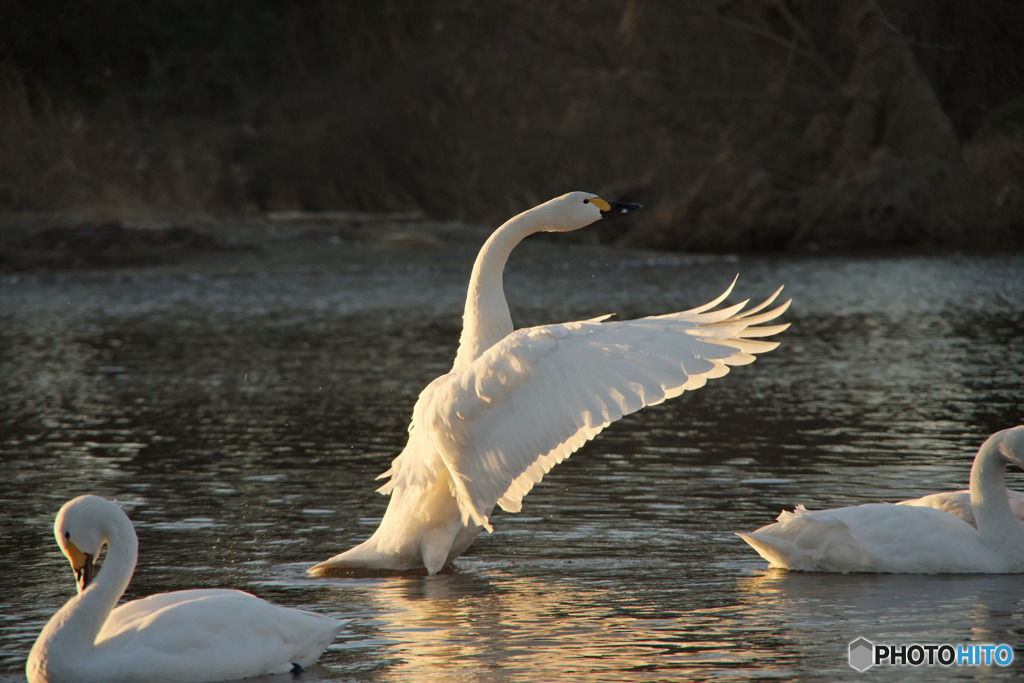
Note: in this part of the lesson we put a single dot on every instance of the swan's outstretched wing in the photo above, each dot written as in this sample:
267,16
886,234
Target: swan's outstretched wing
501,423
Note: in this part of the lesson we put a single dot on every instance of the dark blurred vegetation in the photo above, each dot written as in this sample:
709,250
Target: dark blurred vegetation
743,124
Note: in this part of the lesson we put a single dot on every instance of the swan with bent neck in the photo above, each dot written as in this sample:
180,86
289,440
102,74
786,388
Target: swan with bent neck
192,635
517,402
912,538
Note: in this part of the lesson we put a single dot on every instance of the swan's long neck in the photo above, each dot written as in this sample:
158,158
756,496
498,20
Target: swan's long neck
77,624
997,524
486,319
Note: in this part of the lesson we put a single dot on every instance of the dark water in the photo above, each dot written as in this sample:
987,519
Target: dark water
240,419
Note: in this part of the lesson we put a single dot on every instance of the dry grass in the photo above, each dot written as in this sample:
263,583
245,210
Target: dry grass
741,124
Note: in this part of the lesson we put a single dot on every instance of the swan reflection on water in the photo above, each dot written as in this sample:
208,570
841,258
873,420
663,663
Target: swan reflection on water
822,608
430,628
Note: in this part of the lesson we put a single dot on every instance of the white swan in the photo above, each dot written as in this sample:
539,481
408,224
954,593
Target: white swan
193,635
881,537
517,402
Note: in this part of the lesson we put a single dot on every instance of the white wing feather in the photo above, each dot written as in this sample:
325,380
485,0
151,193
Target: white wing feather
531,400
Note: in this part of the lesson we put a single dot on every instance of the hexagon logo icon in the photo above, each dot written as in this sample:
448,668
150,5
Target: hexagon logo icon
862,653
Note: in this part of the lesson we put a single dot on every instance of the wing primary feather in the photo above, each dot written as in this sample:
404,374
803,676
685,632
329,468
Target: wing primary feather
750,320
766,302
717,300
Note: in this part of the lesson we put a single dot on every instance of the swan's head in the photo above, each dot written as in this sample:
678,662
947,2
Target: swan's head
577,210
1010,443
81,529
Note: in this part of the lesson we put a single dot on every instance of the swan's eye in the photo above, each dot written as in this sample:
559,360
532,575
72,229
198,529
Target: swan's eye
67,535
586,201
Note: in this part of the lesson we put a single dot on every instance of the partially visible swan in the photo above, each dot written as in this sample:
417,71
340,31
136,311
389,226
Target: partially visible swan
192,635
913,539
518,402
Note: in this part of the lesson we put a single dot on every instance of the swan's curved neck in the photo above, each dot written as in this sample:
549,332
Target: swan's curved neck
996,521
82,618
486,319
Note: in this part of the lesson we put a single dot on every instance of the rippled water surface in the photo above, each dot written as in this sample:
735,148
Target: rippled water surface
240,420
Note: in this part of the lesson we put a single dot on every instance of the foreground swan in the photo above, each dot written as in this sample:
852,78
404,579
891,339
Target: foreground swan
516,403
195,635
880,537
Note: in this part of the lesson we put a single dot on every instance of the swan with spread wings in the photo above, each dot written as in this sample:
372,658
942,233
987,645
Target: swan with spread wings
518,402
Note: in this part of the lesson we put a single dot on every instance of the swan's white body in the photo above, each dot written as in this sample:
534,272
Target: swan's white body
192,635
959,503
914,539
517,402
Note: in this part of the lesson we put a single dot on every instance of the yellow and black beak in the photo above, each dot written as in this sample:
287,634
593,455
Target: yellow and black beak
81,564
614,208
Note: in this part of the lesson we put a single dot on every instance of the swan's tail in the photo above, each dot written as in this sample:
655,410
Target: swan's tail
769,548
362,560
806,540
